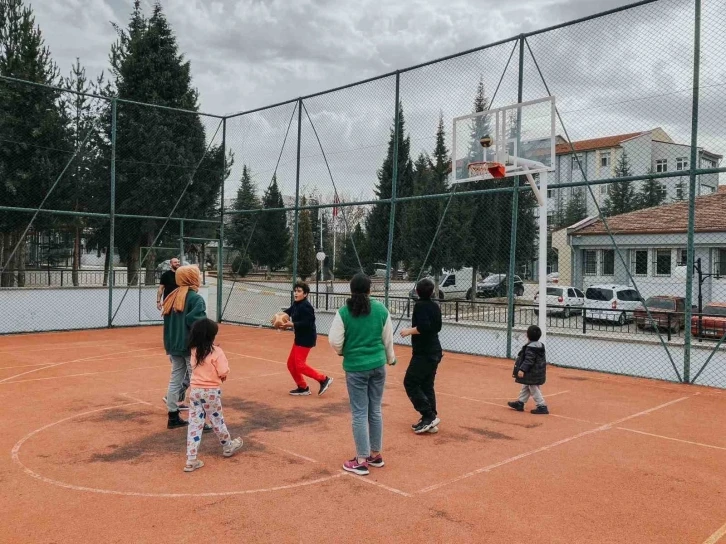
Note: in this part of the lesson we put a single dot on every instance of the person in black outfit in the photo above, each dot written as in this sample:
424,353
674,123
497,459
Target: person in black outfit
167,282
421,372
302,321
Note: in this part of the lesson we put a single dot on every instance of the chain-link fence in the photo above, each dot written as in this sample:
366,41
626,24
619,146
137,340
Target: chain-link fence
361,178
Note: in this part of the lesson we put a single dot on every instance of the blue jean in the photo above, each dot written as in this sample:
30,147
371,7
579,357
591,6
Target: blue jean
181,372
365,390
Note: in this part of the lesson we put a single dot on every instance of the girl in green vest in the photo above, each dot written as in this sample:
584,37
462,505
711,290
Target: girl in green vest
362,333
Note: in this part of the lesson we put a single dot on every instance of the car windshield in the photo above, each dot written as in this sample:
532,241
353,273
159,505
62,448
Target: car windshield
554,291
594,293
715,310
661,303
493,279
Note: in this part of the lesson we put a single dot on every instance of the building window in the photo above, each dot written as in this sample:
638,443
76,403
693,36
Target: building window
590,262
682,255
706,163
550,193
575,191
578,157
608,262
604,159
639,262
662,262
605,189
681,163
661,165
719,265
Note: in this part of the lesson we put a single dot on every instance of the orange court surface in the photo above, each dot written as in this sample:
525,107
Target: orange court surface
88,458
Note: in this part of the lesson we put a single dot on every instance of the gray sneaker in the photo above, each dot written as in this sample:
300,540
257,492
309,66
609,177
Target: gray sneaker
232,447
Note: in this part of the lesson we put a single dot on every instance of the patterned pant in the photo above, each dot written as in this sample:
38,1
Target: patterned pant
205,401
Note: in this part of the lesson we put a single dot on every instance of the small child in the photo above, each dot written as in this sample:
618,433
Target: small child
209,369
421,372
302,321
530,369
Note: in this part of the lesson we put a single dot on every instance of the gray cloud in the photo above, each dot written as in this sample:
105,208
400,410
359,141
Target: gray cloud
622,73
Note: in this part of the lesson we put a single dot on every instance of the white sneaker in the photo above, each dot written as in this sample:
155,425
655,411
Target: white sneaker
233,447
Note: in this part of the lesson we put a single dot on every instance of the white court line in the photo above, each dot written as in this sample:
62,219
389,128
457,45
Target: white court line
83,374
98,357
16,459
548,446
67,345
377,484
715,537
673,439
23,366
229,380
287,451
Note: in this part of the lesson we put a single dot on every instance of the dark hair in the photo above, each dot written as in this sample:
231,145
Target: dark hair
424,289
302,285
201,338
534,333
359,303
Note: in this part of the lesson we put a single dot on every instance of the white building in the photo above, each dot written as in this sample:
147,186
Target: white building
649,151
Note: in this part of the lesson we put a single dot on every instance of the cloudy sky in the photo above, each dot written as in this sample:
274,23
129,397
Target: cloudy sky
623,73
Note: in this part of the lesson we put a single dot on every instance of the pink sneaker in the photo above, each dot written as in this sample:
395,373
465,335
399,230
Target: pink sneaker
361,469
376,461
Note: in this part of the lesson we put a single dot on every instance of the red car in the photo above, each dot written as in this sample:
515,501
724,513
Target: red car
665,311
713,322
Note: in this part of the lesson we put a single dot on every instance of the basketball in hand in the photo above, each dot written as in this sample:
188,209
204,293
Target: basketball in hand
280,320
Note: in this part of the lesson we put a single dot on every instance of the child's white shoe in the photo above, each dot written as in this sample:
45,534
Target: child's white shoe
232,447
191,466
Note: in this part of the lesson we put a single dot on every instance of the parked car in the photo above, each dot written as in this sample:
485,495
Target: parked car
379,271
713,321
665,312
608,302
553,277
563,299
452,285
496,285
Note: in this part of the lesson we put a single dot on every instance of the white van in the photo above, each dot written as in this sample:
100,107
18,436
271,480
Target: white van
609,302
456,284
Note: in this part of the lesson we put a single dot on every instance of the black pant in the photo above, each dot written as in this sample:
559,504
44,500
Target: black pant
419,383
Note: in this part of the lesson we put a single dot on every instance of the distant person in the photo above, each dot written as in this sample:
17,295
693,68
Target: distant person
167,282
210,369
362,333
181,309
530,369
302,322
427,354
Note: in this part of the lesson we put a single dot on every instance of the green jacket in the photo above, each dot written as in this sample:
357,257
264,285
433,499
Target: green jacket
178,324
365,342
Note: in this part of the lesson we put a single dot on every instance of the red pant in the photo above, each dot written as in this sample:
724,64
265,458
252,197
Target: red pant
298,366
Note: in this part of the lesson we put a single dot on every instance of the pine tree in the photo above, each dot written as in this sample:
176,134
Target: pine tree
576,209
621,197
89,172
378,220
244,233
158,151
347,265
35,145
273,228
652,193
306,262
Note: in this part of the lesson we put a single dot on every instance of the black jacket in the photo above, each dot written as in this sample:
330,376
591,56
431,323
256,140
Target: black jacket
427,318
302,316
532,361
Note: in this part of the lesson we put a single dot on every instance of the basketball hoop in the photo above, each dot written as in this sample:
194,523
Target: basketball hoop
487,168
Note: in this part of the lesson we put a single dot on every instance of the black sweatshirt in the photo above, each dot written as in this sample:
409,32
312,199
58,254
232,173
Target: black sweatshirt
302,316
427,319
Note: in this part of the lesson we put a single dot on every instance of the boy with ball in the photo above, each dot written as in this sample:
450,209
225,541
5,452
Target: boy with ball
302,321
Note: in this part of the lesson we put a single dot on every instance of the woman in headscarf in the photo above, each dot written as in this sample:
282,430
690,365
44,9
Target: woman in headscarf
181,309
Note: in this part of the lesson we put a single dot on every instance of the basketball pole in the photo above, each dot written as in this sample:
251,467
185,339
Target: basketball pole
543,257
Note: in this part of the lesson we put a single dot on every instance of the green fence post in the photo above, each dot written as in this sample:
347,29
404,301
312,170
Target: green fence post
515,212
220,249
297,199
692,193
181,241
112,212
394,190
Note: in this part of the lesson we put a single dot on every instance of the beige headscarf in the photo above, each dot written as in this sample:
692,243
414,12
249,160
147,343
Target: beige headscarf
187,277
